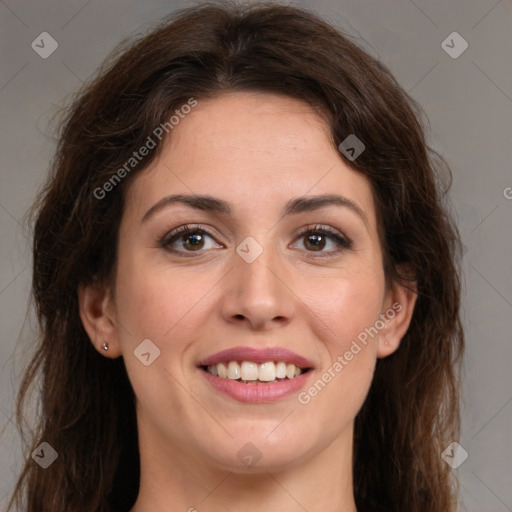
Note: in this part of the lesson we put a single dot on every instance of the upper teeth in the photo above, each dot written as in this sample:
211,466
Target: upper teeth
249,371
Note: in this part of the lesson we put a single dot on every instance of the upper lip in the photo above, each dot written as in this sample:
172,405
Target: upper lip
256,355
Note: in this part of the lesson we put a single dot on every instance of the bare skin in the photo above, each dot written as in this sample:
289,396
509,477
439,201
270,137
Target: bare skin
256,152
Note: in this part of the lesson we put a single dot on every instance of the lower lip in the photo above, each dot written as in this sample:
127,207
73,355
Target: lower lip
256,393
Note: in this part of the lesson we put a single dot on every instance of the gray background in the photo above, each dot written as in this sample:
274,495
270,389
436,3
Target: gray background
468,101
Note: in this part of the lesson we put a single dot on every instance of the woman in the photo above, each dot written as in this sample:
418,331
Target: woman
246,281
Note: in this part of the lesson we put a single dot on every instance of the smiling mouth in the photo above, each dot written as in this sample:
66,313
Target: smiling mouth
248,372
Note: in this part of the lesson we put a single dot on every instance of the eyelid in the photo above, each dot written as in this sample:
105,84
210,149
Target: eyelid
324,229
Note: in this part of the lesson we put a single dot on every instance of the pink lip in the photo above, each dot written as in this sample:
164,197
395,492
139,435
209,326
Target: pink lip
257,355
256,393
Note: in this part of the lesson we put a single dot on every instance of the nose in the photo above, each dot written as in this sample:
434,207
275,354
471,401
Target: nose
259,294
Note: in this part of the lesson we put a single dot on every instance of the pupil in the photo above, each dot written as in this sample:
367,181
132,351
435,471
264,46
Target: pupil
197,239
317,241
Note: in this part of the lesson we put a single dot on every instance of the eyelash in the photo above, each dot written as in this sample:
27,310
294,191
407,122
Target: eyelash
343,242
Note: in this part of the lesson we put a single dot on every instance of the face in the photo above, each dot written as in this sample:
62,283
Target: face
270,279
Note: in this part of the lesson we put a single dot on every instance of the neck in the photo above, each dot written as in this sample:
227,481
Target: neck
173,478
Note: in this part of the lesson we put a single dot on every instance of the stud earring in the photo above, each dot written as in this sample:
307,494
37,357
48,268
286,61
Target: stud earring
104,346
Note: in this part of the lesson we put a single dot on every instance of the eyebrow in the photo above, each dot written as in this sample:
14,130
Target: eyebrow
294,206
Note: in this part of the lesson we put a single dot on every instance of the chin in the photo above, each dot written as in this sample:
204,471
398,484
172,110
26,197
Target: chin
251,452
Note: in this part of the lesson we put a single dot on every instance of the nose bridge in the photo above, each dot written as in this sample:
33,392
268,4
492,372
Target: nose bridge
258,277
256,290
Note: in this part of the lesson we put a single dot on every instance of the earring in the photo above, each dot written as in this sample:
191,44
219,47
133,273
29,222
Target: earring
104,346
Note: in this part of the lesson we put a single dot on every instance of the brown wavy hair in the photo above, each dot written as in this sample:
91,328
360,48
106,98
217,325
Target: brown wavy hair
87,405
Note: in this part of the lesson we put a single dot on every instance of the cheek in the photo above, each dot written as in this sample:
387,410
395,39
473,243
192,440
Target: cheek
346,307
152,301
356,309
346,314
162,305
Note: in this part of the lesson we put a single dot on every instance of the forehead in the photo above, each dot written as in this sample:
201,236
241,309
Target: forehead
251,149
257,129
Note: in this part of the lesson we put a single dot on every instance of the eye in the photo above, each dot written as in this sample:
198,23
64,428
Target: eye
316,238
187,239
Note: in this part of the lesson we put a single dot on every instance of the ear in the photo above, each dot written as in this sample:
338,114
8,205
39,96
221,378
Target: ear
398,308
96,310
